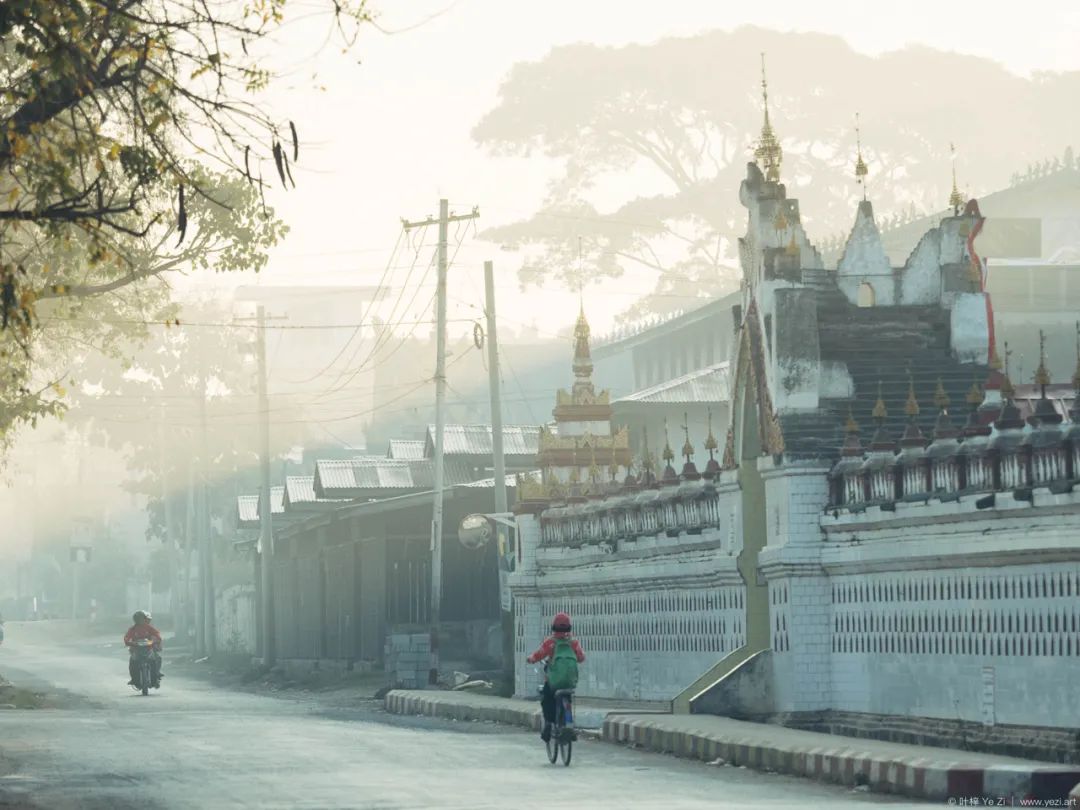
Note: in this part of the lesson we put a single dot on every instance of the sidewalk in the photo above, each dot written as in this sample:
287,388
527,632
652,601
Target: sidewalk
920,772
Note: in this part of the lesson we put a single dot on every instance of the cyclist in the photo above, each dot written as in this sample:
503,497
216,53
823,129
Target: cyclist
561,654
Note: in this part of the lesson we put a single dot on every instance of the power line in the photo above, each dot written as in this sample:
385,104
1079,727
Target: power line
363,317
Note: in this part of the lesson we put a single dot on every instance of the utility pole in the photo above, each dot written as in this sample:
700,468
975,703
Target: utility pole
266,529
206,555
166,505
444,220
505,605
193,544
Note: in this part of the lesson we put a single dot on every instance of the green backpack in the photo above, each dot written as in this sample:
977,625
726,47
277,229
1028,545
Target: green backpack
563,669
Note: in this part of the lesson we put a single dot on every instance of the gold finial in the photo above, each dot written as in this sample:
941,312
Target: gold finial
880,412
646,454
687,448
851,426
669,454
710,441
941,398
613,467
861,171
1042,376
995,359
974,395
792,249
594,468
955,198
768,152
780,222
911,407
1007,389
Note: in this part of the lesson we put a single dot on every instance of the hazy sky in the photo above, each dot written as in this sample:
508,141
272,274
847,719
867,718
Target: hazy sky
390,136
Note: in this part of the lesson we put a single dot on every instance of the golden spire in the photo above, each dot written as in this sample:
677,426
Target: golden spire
768,152
687,448
851,426
780,222
995,359
911,407
711,444
669,454
860,165
1007,389
955,198
792,249
647,460
1042,376
613,467
594,468
941,398
974,395
880,412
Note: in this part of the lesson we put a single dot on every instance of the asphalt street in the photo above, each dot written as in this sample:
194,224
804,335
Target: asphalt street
194,745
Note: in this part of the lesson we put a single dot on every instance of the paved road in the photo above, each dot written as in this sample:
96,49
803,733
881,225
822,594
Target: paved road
193,746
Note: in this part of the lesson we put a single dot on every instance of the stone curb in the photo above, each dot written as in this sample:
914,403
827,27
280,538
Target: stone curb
917,777
921,777
438,704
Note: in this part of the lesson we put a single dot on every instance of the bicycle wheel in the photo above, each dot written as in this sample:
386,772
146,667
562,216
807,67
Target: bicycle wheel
567,750
553,746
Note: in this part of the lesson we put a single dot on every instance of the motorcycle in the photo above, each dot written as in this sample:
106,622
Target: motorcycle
142,651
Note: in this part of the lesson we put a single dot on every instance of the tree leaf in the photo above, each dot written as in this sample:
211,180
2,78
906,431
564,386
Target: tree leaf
181,217
295,142
279,161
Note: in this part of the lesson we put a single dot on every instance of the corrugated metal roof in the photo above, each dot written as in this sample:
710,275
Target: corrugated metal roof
377,474
511,481
475,440
300,489
247,508
412,449
710,384
277,502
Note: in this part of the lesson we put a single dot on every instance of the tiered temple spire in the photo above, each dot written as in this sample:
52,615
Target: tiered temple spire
956,199
861,170
768,152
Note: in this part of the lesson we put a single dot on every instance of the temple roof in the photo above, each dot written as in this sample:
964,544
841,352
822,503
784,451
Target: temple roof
709,384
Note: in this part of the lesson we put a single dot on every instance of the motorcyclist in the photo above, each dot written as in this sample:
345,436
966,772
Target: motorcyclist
140,630
560,632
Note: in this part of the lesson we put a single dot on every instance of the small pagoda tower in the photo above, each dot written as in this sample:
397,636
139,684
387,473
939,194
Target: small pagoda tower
582,430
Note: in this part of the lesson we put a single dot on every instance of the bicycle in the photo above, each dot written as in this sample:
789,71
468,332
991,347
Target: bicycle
561,741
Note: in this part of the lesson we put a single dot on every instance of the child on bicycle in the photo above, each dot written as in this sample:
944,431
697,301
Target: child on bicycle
561,654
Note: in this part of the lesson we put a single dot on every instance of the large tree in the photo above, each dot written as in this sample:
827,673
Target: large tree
652,141
132,144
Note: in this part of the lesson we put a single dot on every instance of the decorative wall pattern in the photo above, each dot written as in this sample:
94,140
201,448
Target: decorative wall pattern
1026,611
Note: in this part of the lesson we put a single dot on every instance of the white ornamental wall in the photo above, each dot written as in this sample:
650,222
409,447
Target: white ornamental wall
652,613
994,645
945,611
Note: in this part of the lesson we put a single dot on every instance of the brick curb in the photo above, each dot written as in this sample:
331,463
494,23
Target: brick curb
917,777
922,778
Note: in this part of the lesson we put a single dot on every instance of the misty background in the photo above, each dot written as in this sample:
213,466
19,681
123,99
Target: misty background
603,144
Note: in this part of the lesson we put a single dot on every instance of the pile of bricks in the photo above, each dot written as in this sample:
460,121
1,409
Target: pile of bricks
408,659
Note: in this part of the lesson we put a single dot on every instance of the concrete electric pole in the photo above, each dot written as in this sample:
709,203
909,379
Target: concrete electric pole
499,465
206,551
266,529
444,220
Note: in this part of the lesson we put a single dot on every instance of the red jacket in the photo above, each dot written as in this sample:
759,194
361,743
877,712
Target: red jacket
141,631
547,649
